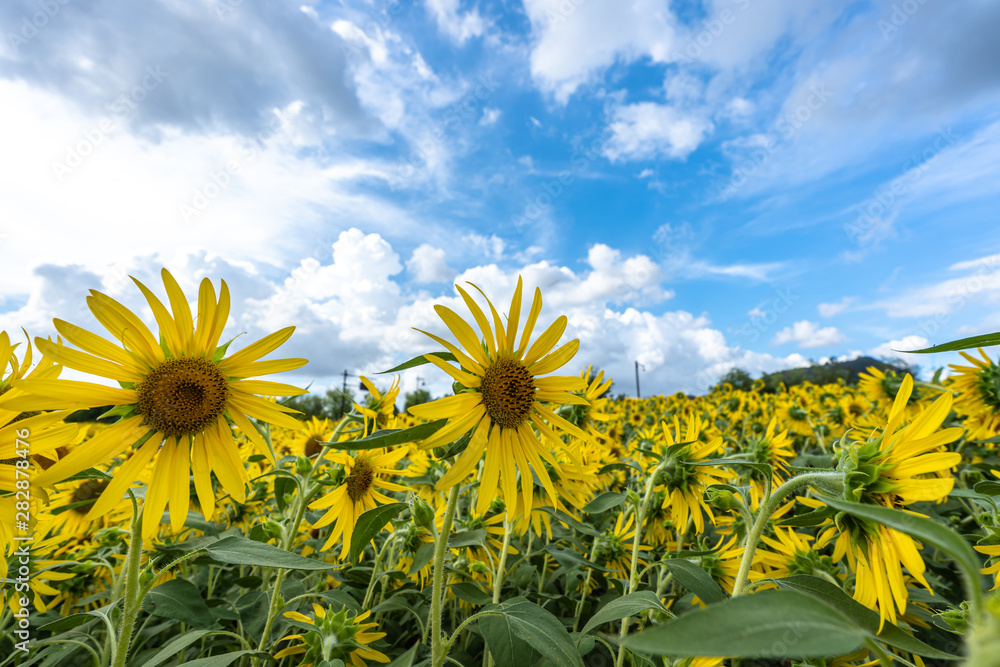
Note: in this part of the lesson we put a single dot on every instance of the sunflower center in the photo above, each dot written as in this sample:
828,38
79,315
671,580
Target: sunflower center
182,397
360,480
313,446
508,391
89,490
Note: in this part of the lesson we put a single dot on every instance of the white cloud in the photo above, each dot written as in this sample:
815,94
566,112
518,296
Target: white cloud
808,334
835,308
491,247
647,130
490,116
574,41
428,265
351,310
890,349
460,27
937,301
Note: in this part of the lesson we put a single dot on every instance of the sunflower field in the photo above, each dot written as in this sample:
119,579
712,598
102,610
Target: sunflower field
527,519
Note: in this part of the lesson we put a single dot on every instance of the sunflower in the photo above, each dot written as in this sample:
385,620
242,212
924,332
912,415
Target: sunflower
333,637
177,398
774,449
502,400
365,474
978,388
895,468
379,411
992,550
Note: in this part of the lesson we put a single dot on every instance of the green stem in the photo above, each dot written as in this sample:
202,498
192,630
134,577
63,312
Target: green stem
133,601
633,580
884,659
291,531
371,584
508,529
767,508
437,589
586,586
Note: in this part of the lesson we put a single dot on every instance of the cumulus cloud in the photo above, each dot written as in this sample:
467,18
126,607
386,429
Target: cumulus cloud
457,25
891,349
808,334
428,265
352,311
647,130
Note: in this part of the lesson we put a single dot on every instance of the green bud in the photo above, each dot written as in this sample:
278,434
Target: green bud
724,499
957,618
497,505
633,497
423,513
303,465
272,528
479,567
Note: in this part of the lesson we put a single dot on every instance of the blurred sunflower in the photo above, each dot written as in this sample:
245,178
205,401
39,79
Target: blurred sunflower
502,398
978,388
333,637
178,391
365,474
895,468
379,410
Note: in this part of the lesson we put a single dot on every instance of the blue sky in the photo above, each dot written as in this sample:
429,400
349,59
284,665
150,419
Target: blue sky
696,185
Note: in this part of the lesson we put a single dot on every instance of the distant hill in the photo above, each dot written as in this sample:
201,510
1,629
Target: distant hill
827,373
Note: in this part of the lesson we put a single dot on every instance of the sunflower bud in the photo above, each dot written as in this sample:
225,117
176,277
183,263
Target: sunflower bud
303,465
724,499
423,513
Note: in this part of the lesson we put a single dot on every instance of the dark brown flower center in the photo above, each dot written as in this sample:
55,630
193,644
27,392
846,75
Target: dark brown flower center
360,480
89,490
182,397
508,391
313,446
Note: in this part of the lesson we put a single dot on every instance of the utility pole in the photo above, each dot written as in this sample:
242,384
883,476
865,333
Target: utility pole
343,395
637,394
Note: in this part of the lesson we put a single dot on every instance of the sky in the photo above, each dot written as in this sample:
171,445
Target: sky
697,186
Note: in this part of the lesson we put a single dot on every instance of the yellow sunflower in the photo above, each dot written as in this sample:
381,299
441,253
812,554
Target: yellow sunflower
978,388
178,396
379,410
896,468
365,474
503,400
333,637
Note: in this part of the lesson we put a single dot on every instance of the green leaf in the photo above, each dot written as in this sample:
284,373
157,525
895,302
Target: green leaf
980,498
173,648
569,558
467,538
695,579
241,551
619,608
621,465
406,660
926,530
69,622
370,524
471,593
389,437
763,469
988,487
252,608
521,620
570,521
813,518
862,616
985,340
226,659
604,502
420,361
180,600
769,624
423,556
